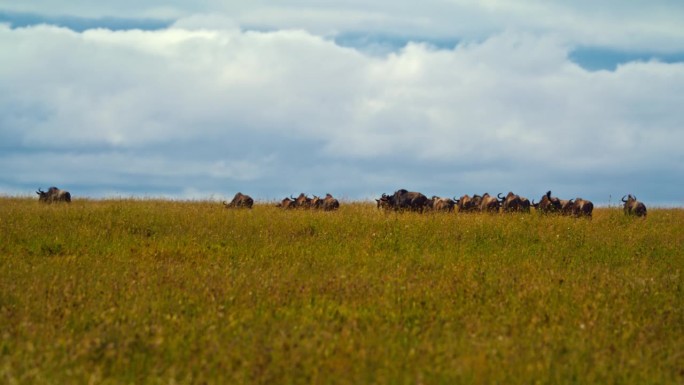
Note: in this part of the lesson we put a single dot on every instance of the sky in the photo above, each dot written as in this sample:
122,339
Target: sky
202,99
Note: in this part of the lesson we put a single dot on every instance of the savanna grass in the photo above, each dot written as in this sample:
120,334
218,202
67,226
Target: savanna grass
151,291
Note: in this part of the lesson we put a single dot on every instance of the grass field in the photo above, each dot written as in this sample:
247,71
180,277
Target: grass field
157,292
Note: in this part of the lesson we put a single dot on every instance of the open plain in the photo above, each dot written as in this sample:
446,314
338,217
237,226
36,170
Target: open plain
157,291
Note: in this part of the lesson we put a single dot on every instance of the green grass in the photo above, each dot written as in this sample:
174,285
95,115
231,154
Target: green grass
156,292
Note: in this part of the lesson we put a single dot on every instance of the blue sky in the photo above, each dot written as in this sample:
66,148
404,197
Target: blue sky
199,100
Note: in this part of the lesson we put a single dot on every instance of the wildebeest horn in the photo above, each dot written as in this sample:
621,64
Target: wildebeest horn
499,196
533,202
291,197
548,194
623,198
634,196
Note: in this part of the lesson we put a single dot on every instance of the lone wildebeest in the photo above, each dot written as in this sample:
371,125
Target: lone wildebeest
240,201
633,206
53,194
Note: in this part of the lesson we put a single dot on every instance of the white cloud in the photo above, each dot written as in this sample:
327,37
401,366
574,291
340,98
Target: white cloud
226,104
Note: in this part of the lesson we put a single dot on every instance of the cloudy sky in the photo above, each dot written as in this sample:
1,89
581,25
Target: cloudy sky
201,99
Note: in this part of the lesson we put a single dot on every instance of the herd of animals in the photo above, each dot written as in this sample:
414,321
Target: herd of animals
403,200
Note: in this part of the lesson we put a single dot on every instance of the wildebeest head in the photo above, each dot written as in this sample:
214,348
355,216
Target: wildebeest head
53,194
633,207
384,202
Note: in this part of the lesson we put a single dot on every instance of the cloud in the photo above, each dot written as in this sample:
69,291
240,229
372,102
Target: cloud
191,110
652,27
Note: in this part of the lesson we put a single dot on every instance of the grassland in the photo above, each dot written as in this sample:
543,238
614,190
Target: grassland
156,292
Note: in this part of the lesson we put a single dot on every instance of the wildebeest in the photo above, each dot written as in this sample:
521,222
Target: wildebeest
514,203
582,208
633,206
566,206
466,204
329,203
286,203
489,204
302,201
442,204
404,200
53,194
240,201
548,204
383,202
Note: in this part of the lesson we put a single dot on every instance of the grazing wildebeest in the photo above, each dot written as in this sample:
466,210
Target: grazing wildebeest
302,201
441,204
404,200
489,204
466,204
582,208
633,206
548,204
327,204
53,194
384,202
286,203
239,201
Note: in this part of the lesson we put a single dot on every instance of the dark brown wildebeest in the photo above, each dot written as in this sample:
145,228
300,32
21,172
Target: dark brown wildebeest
302,201
240,201
404,200
548,204
582,208
329,203
466,204
489,204
633,206
441,204
514,203
286,203
53,194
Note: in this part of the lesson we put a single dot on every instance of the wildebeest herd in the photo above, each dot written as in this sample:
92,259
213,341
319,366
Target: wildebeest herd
404,200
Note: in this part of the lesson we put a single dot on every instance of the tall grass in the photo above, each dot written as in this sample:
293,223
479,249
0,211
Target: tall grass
148,291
